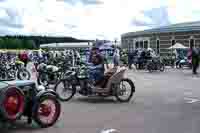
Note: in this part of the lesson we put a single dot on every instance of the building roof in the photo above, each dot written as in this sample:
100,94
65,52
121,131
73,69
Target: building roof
181,27
67,45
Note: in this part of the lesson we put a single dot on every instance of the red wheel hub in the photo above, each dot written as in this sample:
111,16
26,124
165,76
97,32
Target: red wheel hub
45,110
11,105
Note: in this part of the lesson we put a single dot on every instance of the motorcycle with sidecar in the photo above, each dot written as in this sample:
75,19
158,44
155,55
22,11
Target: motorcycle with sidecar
114,84
23,98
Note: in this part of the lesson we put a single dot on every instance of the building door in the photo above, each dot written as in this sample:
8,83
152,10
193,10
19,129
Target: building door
146,45
173,42
141,44
136,45
192,44
158,46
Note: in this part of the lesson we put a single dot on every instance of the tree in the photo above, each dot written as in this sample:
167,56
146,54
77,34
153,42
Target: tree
2,45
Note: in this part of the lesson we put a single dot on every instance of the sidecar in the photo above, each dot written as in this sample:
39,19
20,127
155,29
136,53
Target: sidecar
23,98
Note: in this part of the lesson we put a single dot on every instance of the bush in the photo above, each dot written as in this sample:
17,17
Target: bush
14,43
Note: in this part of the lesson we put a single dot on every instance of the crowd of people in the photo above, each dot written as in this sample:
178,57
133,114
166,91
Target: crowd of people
118,56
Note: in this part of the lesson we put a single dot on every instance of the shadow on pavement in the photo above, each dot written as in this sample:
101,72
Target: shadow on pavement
18,126
96,100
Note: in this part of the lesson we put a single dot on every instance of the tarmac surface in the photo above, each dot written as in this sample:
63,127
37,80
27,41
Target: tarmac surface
164,102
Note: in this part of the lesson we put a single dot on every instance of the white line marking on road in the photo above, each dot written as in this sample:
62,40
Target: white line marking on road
110,131
191,100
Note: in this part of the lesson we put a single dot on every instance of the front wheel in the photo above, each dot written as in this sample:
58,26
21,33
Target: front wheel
47,111
125,90
23,74
65,90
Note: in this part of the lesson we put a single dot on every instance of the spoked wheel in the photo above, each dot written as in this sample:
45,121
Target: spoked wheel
65,90
47,111
24,74
11,74
3,76
125,90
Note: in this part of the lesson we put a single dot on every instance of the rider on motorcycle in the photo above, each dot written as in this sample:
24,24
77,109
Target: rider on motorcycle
96,70
96,66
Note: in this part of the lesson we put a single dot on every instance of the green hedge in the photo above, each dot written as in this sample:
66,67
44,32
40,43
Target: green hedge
14,43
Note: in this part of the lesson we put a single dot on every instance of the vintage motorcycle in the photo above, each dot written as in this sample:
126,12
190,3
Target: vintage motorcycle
22,72
154,65
22,98
14,70
50,74
113,84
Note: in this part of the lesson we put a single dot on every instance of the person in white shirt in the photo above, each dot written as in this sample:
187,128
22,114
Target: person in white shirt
116,57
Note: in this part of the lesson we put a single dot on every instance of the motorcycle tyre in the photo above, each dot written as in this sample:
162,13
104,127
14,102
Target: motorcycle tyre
65,99
132,91
18,74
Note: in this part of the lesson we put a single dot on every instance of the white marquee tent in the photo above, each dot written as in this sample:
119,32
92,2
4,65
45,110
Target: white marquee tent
178,46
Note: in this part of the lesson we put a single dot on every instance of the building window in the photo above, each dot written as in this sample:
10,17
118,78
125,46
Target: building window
129,47
136,44
173,42
192,44
141,44
158,46
146,44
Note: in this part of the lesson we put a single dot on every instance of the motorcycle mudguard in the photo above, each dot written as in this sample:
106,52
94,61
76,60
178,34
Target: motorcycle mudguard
46,92
20,82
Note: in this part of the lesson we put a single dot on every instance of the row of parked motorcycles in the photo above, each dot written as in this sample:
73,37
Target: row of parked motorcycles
158,64
13,70
41,103
150,64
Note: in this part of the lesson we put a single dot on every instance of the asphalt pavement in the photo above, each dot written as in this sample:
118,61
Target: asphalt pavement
164,102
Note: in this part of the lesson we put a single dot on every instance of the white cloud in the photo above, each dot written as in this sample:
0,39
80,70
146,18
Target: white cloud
87,20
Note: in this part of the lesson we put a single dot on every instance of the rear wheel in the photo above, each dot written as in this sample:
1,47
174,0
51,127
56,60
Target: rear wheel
65,90
47,111
125,90
23,74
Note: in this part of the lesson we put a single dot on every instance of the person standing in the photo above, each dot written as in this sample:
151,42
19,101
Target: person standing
24,57
195,60
116,57
130,59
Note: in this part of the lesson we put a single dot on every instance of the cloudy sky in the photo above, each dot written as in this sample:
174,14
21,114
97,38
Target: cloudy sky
91,19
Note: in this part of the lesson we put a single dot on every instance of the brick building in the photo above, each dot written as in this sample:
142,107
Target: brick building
160,39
